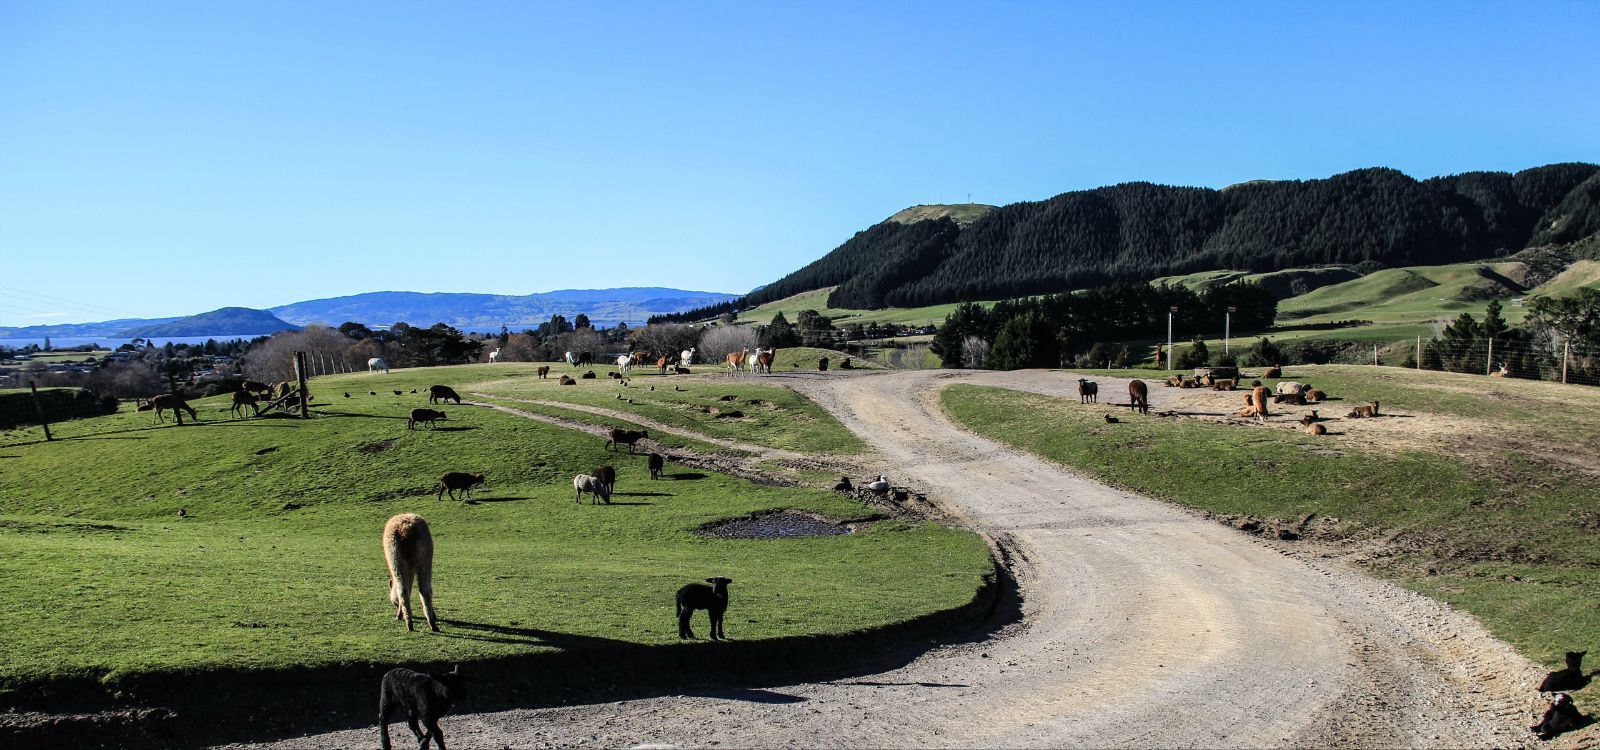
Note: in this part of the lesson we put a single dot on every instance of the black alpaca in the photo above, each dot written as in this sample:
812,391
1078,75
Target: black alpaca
713,599
657,463
1570,678
425,698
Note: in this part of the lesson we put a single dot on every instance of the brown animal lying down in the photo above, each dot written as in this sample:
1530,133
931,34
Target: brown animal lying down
568,381
1364,411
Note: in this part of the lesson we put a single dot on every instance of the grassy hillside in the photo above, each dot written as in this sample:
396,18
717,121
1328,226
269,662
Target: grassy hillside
961,213
818,300
1581,274
1467,500
275,561
1416,295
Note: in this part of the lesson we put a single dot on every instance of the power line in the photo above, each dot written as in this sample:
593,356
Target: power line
87,306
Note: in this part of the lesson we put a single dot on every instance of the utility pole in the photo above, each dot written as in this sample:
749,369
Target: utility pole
1170,311
1227,328
40,408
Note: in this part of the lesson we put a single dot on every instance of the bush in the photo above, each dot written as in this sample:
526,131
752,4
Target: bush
1197,355
1263,353
718,342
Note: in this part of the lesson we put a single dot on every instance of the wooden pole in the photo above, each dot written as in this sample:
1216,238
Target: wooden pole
1488,366
1566,351
40,407
300,377
1419,352
1374,354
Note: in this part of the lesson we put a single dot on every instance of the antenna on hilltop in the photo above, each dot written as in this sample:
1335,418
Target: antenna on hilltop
969,197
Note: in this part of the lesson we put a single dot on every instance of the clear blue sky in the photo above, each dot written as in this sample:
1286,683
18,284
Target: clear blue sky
166,158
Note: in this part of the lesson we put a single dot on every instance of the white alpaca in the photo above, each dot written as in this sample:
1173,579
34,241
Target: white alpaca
494,356
624,363
572,359
375,364
686,356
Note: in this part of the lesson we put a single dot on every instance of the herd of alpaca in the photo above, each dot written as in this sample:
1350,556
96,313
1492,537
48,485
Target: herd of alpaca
1256,400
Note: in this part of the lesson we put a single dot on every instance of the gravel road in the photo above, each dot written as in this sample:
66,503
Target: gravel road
1143,625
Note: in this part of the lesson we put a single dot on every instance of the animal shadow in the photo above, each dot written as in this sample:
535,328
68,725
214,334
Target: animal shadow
641,494
682,475
462,428
755,695
498,499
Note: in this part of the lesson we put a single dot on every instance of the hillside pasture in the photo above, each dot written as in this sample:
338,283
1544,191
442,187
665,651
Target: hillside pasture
791,307
274,562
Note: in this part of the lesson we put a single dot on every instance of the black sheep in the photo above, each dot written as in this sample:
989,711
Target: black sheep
657,464
1570,678
713,599
607,475
1560,717
425,698
437,393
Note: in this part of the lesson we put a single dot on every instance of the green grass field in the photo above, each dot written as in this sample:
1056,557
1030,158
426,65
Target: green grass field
1512,540
276,562
817,300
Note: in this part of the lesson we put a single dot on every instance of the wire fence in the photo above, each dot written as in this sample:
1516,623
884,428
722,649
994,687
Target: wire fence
1559,362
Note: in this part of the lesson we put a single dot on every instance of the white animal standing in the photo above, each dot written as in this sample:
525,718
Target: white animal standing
494,356
572,359
750,360
376,363
686,356
624,363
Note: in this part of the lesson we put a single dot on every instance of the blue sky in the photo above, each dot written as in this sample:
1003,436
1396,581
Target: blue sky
167,158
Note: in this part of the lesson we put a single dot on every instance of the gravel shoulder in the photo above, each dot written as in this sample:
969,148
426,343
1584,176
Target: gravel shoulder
1143,625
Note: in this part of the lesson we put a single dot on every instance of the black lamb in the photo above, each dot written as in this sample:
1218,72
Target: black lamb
425,698
713,599
1570,678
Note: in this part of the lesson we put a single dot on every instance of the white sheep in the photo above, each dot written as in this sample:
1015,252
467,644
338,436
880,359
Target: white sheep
585,483
1288,387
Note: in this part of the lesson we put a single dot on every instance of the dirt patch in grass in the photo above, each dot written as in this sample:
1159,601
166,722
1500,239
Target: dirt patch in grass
377,447
781,523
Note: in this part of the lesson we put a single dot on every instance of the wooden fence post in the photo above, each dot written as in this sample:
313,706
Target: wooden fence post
300,377
1488,366
37,405
1419,352
1374,354
1566,351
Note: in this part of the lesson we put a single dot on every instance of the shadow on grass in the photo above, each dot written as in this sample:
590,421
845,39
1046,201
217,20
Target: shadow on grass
454,429
499,499
201,707
684,475
641,494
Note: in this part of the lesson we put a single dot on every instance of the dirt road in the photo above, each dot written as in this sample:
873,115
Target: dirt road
1144,625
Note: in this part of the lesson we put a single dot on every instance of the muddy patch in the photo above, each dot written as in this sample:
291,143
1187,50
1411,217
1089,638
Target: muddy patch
378,447
774,524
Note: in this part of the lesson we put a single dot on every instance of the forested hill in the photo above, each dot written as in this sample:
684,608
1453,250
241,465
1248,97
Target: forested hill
1138,231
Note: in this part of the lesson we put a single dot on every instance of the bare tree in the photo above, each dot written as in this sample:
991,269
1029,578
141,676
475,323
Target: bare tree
973,352
716,343
665,340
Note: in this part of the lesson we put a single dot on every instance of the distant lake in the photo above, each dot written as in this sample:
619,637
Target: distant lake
111,342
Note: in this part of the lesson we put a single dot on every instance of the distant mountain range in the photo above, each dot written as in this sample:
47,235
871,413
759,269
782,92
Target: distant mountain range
473,312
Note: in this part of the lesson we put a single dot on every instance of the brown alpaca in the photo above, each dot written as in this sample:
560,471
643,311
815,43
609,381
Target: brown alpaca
1317,429
1295,399
1273,372
1310,419
1316,395
408,550
1259,400
1174,381
568,381
1364,411
544,372
242,399
1226,384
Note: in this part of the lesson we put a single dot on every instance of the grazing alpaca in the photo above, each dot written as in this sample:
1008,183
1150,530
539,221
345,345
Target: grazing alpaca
377,364
494,356
422,415
1570,678
424,697
457,481
713,599
572,359
437,393
260,389
1088,393
408,550
242,399
657,464
544,372
1138,396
